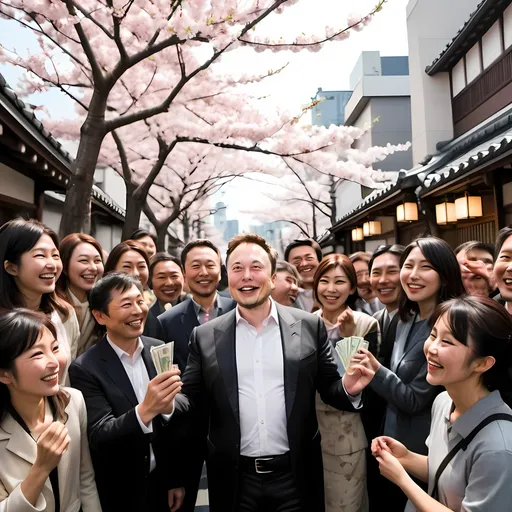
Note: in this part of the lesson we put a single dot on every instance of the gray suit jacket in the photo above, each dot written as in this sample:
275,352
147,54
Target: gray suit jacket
210,382
407,392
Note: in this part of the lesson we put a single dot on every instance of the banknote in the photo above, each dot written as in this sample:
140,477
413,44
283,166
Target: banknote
349,346
162,356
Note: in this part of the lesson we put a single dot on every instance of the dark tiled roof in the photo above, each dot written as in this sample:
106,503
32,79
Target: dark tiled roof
480,20
27,112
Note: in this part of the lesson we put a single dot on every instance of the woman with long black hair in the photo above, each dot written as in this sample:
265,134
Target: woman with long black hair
469,463
44,452
31,266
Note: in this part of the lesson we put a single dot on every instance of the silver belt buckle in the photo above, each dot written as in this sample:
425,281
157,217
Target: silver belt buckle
258,460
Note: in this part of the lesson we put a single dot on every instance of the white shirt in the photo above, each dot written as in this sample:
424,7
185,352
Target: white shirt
139,378
259,361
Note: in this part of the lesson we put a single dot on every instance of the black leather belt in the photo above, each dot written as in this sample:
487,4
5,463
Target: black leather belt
267,464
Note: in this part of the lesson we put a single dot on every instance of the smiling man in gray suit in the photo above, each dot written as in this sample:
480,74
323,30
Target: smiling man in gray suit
255,372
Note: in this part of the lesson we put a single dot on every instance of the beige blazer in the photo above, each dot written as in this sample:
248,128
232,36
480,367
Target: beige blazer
18,451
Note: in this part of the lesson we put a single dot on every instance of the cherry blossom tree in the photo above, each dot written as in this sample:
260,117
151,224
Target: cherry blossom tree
135,65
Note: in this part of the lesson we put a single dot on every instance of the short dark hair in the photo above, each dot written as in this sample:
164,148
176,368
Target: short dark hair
395,249
200,242
120,249
100,295
253,238
142,233
502,238
361,256
309,242
440,255
475,244
159,257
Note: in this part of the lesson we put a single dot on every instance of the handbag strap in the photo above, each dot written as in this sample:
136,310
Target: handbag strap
464,443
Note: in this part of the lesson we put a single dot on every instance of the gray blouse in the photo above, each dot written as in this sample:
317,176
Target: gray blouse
478,479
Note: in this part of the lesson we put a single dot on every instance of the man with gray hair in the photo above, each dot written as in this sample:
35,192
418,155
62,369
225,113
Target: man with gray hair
287,283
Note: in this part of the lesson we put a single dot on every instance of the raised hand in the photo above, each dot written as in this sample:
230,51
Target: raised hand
396,448
361,374
391,468
346,323
51,445
160,395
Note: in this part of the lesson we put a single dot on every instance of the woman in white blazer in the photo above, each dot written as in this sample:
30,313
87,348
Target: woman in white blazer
44,454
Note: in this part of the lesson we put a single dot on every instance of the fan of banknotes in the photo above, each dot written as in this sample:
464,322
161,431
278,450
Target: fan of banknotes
347,347
162,356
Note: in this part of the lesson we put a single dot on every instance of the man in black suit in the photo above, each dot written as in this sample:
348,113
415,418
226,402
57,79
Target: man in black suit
202,271
128,405
166,281
384,269
256,371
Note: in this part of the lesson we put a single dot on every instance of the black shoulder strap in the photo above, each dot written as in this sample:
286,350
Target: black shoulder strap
464,443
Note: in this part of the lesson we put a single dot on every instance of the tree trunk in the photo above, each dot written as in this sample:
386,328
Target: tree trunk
161,232
186,228
78,195
332,194
133,213
76,206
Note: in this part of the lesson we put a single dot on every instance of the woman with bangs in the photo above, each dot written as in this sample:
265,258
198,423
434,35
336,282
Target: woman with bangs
343,438
130,257
82,262
31,266
45,463
430,275
469,462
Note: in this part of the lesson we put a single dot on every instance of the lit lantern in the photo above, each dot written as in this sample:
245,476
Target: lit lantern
366,229
468,207
445,213
357,234
407,212
372,228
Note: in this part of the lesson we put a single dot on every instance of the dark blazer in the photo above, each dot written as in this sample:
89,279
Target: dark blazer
408,394
179,322
119,449
210,383
153,328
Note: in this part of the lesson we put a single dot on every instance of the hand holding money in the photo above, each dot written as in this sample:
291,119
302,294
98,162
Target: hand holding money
160,395
162,356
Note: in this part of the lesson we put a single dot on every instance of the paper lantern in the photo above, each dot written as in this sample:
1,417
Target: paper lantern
445,213
468,207
407,212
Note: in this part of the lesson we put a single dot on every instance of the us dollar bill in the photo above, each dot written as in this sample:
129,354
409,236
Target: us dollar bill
162,357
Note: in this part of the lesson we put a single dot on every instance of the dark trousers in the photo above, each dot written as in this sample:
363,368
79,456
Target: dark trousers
157,495
272,492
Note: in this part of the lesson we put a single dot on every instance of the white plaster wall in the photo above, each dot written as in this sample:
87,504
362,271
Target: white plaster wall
431,24
16,185
458,77
473,64
491,44
507,26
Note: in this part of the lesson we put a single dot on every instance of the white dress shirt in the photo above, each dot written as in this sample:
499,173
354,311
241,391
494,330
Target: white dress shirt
139,378
260,368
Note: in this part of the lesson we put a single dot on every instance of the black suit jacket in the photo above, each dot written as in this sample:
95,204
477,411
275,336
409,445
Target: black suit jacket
153,328
210,383
179,322
119,448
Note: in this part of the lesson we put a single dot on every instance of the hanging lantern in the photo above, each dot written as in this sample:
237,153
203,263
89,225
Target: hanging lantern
372,228
357,234
445,213
407,212
366,229
468,207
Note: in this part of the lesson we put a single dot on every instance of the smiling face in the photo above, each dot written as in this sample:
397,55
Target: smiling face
149,245
202,271
134,264
286,288
449,361
84,269
305,260
36,371
419,280
333,290
127,313
167,281
385,279
250,275
39,269
503,270
364,287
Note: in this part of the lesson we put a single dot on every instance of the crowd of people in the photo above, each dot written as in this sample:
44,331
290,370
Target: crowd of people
419,421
